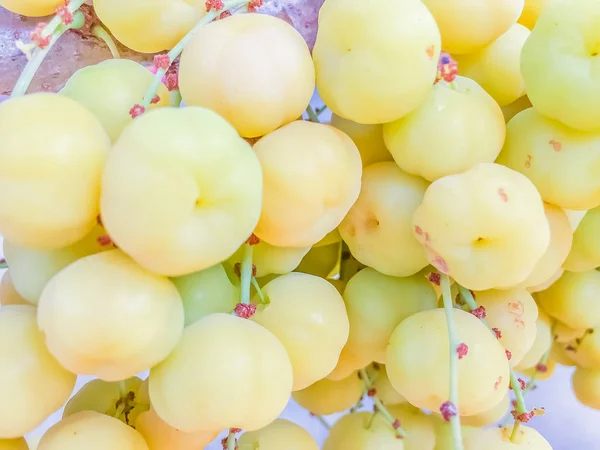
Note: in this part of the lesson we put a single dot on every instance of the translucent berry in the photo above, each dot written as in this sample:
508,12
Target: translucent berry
448,410
245,310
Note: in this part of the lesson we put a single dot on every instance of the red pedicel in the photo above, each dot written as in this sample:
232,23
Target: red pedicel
38,39
448,410
245,310
136,110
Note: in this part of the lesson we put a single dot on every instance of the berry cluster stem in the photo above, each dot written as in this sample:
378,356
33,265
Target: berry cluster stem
312,115
55,29
231,441
532,380
380,406
514,381
176,51
453,340
100,32
246,274
323,422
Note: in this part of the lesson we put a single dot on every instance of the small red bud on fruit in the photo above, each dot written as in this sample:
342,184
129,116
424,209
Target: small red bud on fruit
479,312
462,350
156,99
435,278
162,61
372,392
497,332
254,5
508,354
224,15
245,310
447,68
38,39
171,80
253,240
396,424
448,410
105,240
542,368
217,5
136,110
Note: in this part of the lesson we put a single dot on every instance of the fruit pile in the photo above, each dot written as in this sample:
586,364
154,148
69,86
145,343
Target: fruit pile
432,249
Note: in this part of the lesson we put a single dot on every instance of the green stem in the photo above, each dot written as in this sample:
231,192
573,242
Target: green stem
231,444
323,422
246,274
380,406
123,389
453,340
514,381
175,98
176,51
100,32
55,28
259,291
312,116
119,411
515,432
531,382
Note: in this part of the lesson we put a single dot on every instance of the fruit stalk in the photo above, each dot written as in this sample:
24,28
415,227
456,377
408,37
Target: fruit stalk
176,51
246,274
312,115
514,382
39,54
453,340
231,444
531,384
100,32
381,407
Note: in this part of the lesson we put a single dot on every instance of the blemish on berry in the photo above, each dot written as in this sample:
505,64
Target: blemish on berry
430,51
462,350
440,264
427,238
503,195
556,145
497,383
448,410
528,162
418,230
104,240
542,368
